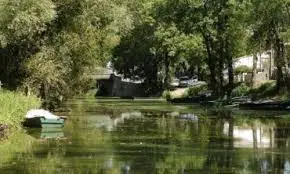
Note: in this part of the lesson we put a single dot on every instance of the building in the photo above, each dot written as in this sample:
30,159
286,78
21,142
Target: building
265,67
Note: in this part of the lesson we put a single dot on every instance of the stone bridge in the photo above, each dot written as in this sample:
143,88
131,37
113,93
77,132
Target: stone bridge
112,85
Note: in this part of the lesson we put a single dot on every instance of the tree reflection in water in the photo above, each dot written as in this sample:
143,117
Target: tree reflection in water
154,141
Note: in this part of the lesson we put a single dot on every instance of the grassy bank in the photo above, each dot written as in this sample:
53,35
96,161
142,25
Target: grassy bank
13,107
185,92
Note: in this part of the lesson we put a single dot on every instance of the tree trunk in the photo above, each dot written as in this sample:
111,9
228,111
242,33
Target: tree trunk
27,90
271,61
199,72
211,62
254,71
231,79
44,94
229,60
167,75
281,64
221,61
221,75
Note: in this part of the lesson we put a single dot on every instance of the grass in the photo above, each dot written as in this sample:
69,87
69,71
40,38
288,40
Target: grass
13,107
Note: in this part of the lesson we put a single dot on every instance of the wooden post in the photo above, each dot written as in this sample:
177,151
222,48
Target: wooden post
1,85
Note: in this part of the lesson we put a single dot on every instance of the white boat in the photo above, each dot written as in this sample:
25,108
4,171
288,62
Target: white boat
43,118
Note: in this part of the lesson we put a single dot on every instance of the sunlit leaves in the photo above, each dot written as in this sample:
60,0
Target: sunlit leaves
44,68
23,19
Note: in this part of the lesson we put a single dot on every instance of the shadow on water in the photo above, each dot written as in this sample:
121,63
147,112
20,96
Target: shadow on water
152,137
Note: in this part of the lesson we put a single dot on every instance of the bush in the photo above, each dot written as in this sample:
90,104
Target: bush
166,95
265,90
14,106
242,69
195,90
241,90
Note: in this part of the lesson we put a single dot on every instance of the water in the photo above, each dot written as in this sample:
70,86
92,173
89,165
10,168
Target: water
119,136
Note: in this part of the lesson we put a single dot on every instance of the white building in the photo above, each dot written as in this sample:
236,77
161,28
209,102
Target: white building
265,66
263,59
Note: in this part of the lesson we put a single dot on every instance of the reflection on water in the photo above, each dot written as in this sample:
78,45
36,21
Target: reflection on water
133,137
248,136
46,133
109,122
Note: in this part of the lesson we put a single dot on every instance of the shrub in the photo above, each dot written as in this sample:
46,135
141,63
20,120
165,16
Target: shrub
195,90
14,106
241,90
166,95
265,90
242,69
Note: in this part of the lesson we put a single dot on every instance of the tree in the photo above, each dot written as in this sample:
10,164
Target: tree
221,25
55,43
272,21
21,23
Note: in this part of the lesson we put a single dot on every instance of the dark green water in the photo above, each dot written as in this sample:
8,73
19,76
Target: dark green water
119,136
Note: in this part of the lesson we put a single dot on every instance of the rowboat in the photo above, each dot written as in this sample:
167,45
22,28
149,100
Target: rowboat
39,118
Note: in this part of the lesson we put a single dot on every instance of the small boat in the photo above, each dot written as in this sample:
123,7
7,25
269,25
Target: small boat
39,118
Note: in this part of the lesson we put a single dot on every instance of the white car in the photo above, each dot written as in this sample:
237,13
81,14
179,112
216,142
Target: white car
174,83
185,81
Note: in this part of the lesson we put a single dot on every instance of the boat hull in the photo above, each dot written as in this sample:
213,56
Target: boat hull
41,122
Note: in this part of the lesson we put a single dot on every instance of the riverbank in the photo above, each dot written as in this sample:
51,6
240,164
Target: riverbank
14,106
261,97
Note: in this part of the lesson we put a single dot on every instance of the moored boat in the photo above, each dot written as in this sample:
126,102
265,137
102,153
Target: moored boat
40,118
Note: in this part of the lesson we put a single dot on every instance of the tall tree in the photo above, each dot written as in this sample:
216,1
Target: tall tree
221,24
64,38
272,20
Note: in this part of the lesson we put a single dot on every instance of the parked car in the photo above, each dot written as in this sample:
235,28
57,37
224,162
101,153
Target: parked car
185,81
174,83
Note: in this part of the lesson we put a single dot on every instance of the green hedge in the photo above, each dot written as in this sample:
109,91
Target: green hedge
195,90
14,106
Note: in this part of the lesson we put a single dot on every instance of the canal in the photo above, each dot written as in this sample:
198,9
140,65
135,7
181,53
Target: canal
150,136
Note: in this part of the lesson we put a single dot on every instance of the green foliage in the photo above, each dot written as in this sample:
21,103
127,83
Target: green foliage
43,68
269,22
166,94
267,89
155,49
195,90
241,90
14,107
242,69
55,44
24,19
